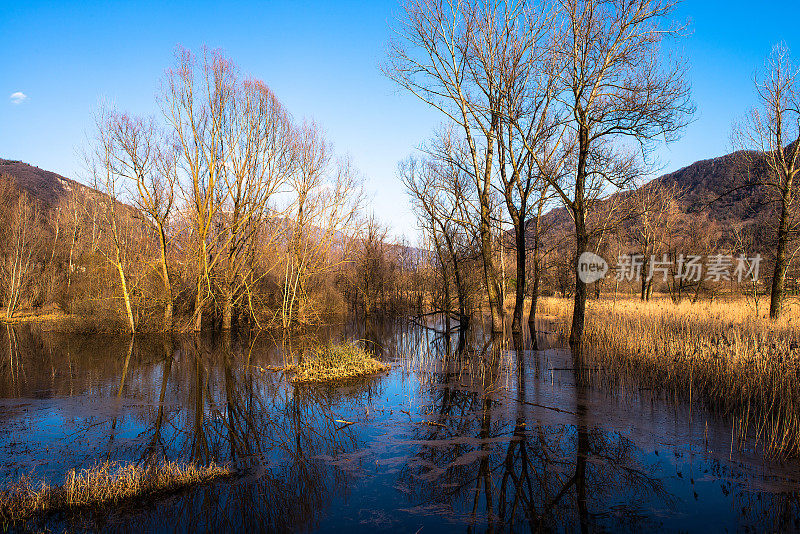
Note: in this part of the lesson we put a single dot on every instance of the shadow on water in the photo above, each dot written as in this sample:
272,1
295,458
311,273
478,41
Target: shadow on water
465,433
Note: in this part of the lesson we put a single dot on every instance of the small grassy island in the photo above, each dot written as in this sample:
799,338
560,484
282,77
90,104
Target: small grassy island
335,362
101,485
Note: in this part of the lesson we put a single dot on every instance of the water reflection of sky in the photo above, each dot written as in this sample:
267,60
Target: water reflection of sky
456,436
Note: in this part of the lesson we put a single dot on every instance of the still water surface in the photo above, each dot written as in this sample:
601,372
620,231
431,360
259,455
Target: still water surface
463,434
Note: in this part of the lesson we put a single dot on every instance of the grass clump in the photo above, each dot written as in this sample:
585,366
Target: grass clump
103,484
330,363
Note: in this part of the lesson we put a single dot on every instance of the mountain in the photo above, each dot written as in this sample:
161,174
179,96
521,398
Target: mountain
49,188
724,188
717,195
45,186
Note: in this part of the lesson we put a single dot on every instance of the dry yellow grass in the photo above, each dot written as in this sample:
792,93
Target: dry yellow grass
102,484
740,364
330,363
34,318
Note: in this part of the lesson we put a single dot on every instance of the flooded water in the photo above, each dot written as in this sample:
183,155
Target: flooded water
462,434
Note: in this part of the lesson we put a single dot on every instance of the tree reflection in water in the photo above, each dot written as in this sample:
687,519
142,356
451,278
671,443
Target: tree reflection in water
280,438
467,431
500,470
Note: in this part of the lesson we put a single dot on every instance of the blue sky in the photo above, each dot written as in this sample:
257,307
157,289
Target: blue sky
322,59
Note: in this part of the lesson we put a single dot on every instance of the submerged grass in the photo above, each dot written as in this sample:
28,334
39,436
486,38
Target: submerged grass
738,363
335,362
103,484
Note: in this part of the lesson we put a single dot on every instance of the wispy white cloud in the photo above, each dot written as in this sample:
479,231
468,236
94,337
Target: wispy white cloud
18,98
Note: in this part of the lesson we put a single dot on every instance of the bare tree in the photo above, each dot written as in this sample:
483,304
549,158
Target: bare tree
195,101
514,50
616,85
655,216
372,267
313,156
440,196
209,208
325,199
257,140
24,239
103,164
773,130
143,157
527,190
537,229
449,60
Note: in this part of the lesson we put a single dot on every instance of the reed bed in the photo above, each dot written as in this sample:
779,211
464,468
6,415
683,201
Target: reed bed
739,364
335,362
103,484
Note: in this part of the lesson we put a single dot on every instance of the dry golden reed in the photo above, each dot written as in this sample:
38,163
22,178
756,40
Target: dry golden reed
105,483
738,363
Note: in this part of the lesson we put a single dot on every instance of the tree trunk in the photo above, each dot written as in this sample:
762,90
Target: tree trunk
227,309
779,274
519,302
199,301
228,290
534,304
447,310
127,298
581,241
643,292
168,315
579,310
446,284
535,289
167,284
463,316
71,249
489,271
198,305
460,288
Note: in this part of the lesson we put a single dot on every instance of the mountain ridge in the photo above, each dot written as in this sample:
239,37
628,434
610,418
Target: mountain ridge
722,187
46,186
